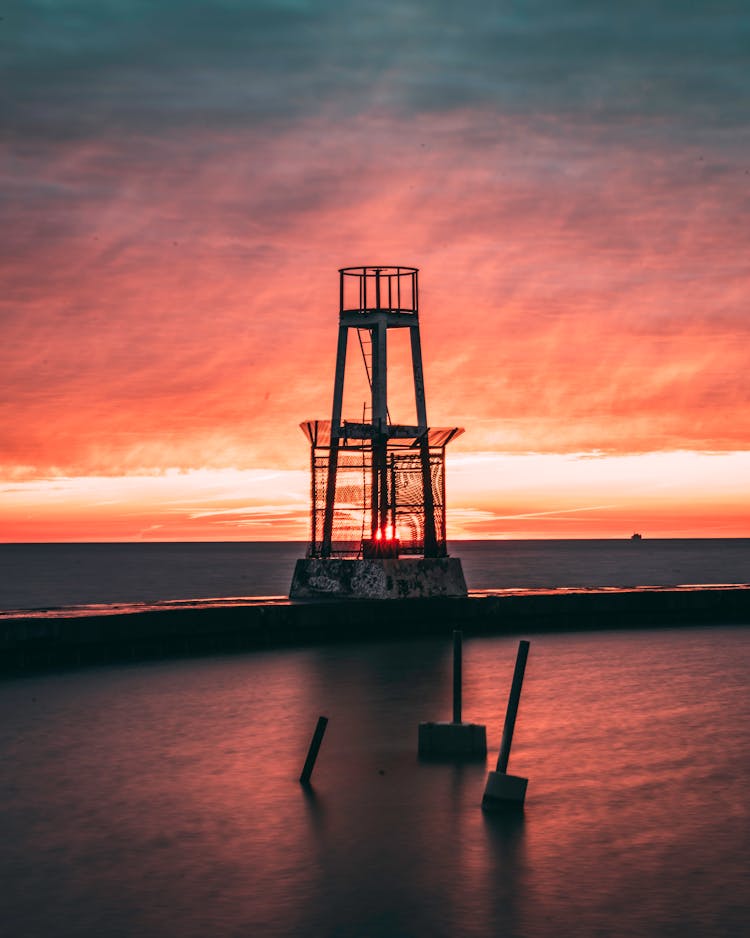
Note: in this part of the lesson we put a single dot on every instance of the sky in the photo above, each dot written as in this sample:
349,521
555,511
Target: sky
180,182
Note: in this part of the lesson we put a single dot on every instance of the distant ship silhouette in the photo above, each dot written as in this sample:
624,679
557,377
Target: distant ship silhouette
636,537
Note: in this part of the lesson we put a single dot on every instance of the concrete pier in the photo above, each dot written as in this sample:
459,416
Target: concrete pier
64,639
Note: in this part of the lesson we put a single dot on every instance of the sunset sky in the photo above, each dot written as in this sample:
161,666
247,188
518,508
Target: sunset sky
180,182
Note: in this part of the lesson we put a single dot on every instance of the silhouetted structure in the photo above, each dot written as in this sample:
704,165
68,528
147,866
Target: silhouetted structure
378,487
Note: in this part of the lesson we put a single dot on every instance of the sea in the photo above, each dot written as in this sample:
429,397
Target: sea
163,798
43,576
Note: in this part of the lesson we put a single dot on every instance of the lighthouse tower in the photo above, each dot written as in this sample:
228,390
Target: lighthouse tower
378,487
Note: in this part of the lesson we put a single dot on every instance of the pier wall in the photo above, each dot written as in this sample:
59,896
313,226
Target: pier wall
31,643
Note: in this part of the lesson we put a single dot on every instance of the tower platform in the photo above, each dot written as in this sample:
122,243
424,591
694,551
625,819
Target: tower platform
378,578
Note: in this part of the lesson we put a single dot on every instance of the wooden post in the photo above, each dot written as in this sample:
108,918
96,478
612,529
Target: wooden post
312,754
510,715
457,662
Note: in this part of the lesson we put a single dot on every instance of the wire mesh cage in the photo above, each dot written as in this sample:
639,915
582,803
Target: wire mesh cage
354,533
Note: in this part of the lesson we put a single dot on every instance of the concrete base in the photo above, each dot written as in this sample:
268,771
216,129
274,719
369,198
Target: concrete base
504,791
402,578
452,740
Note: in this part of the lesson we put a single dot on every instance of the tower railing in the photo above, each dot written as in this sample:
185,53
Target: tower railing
369,289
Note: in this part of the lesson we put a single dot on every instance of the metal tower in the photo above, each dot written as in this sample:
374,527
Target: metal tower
378,488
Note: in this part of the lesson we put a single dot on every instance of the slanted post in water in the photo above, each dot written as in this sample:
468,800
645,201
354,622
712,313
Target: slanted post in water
503,790
457,649
312,754
512,711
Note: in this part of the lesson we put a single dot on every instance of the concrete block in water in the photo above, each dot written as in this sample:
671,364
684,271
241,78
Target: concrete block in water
504,791
378,578
454,740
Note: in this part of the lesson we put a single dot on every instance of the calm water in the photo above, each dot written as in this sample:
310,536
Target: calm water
34,576
161,800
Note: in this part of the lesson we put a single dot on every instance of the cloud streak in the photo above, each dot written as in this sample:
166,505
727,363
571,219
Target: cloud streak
180,183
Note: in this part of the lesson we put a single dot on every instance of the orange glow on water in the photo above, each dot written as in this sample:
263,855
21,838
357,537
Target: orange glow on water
612,796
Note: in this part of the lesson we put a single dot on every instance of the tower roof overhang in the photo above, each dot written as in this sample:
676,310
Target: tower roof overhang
318,432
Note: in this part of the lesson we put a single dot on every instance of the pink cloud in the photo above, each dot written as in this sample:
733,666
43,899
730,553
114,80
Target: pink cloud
173,303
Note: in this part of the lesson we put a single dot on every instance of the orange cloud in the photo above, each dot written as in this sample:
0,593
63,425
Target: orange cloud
172,303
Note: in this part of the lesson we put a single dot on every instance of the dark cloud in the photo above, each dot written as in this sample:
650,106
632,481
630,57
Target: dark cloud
77,68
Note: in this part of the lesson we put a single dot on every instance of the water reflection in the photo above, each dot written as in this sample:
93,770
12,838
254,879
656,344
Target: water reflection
507,886
163,799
